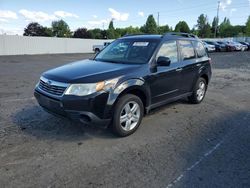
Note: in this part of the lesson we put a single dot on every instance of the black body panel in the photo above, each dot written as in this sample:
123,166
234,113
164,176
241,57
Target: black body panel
158,84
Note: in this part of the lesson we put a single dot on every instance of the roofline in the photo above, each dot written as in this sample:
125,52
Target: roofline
168,34
130,35
180,34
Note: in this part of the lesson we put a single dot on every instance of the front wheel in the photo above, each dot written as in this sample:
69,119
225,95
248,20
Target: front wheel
199,91
128,113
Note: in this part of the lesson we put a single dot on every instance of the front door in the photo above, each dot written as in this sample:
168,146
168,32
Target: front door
165,80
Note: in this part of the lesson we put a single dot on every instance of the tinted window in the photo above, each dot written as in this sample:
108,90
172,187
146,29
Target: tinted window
201,52
187,50
128,51
169,49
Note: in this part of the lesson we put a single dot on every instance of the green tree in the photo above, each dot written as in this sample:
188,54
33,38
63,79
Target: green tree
35,29
143,29
225,27
215,25
163,29
61,29
82,33
203,26
248,26
48,31
104,34
194,31
239,30
127,30
182,26
132,30
96,33
111,34
150,27
233,31
111,24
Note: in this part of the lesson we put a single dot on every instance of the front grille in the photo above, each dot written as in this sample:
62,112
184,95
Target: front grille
52,89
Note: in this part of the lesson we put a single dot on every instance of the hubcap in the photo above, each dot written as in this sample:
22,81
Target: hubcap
201,91
130,116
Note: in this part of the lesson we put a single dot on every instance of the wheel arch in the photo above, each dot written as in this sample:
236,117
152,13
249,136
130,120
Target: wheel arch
134,86
205,76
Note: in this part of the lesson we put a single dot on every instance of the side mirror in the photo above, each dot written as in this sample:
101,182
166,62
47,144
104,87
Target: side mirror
163,61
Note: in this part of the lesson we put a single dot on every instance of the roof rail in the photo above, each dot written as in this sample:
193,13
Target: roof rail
129,35
187,35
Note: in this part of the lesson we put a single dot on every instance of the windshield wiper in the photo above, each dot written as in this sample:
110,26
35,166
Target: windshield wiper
107,60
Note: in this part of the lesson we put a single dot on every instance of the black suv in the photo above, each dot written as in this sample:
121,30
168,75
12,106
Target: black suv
127,79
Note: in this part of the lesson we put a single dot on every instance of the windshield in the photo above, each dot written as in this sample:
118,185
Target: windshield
128,51
221,42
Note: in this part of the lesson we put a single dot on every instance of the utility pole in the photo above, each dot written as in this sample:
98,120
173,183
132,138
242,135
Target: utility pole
158,19
217,21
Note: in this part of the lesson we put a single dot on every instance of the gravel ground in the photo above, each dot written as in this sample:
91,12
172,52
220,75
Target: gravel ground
177,145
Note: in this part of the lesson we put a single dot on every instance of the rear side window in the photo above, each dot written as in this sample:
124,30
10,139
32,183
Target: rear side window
201,52
187,50
169,49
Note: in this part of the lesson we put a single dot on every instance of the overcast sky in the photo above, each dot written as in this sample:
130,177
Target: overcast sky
16,14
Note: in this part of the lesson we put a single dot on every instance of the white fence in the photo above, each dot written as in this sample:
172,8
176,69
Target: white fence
20,45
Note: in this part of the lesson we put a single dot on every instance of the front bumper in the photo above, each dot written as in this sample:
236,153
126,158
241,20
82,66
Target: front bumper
211,49
238,48
87,110
222,49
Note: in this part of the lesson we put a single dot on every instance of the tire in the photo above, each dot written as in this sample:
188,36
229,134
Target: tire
199,91
131,117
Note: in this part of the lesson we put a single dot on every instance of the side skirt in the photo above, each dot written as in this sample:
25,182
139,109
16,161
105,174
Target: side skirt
152,106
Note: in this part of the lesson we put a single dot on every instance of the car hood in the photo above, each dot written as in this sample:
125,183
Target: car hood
89,71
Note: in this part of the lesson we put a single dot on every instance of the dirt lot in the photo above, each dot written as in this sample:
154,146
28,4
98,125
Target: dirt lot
178,145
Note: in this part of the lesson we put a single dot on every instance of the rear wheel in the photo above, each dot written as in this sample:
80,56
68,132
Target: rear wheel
128,114
199,91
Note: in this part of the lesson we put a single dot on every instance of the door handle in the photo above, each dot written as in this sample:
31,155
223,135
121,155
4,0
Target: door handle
178,69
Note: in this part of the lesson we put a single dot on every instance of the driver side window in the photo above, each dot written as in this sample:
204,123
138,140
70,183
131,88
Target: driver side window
169,49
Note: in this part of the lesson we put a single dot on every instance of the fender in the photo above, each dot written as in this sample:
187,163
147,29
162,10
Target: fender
203,70
126,86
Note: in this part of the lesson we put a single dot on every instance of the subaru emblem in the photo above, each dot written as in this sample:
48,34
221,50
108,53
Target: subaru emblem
49,82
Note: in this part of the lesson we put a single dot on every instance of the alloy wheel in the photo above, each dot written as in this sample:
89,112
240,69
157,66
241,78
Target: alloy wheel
201,90
130,115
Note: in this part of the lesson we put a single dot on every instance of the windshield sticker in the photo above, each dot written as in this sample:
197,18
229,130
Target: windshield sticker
140,43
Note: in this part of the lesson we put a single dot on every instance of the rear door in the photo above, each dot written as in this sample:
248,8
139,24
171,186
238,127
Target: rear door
193,57
189,65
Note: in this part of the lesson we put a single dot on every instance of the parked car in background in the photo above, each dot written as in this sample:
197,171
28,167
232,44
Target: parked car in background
229,47
98,48
209,47
218,47
238,46
247,44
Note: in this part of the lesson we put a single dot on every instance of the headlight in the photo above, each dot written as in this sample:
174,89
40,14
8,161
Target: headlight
87,89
